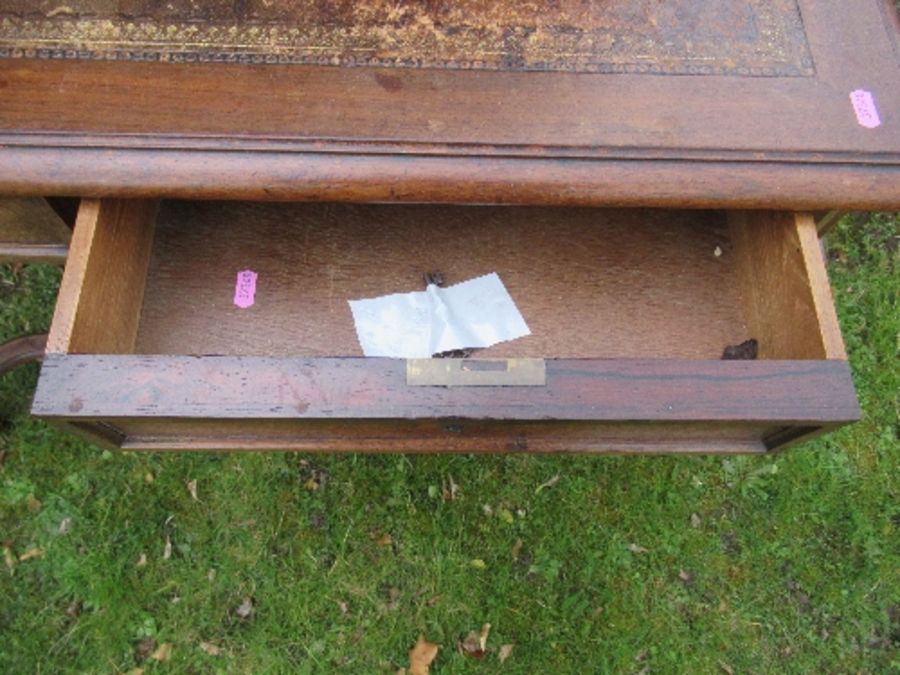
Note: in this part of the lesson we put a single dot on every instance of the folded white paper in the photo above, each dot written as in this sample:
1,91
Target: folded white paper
474,313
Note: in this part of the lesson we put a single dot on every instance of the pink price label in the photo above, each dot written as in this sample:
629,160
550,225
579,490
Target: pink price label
245,289
864,107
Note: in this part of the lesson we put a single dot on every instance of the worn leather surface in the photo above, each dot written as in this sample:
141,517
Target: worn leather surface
742,37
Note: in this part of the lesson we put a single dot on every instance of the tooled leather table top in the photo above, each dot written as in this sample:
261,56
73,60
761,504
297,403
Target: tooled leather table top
701,103
745,37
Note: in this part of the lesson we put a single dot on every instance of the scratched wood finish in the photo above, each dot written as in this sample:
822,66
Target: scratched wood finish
590,283
155,401
99,128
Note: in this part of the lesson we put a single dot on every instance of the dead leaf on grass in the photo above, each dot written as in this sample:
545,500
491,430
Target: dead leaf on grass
311,477
505,651
141,561
421,656
210,648
148,478
385,539
728,669
144,648
245,609
449,489
65,525
475,644
211,574
163,653
478,564
343,607
483,636
695,521
192,488
167,549
547,484
685,577
634,548
74,609
31,553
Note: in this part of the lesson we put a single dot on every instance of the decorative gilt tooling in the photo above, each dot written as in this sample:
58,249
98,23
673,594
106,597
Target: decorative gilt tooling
696,37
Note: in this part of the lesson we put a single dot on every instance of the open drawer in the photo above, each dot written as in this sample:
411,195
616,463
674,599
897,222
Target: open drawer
629,309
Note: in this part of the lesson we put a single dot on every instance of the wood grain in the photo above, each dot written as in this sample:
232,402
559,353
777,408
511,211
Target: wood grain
432,436
590,283
124,167
103,128
173,395
31,231
819,286
784,286
103,284
25,349
244,387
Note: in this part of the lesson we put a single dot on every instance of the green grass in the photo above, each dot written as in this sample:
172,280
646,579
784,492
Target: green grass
786,563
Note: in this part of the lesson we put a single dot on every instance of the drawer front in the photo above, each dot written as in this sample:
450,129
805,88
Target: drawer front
630,311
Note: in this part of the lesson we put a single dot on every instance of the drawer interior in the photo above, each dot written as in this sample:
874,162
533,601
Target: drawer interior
631,310
152,278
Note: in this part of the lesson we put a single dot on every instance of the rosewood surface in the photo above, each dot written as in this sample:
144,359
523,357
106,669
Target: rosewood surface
738,103
130,398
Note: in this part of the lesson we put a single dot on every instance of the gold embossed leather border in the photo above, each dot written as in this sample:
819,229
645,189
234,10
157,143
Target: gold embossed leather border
737,37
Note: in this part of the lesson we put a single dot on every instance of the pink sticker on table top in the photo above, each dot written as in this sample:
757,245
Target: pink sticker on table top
245,289
864,107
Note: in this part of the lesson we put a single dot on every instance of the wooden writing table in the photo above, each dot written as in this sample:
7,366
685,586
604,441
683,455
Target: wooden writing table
642,175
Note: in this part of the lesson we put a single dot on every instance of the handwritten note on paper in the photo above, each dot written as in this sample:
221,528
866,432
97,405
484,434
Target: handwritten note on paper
245,289
865,109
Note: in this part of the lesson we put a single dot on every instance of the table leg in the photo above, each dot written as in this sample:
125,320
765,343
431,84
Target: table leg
21,350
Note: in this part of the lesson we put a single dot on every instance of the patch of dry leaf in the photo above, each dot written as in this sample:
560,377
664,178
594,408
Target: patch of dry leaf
421,656
475,644
245,609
